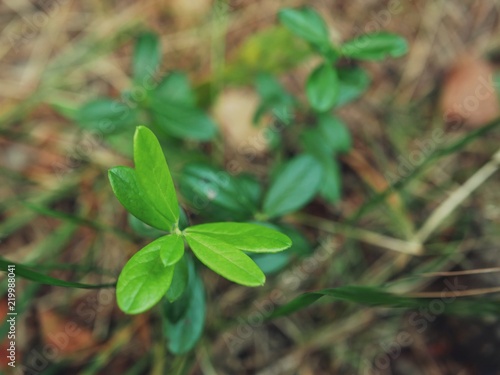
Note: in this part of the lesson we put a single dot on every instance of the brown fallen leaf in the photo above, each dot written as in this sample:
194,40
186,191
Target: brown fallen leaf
234,112
468,97
189,13
67,335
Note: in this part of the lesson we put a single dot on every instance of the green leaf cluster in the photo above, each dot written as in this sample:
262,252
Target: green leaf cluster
158,270
168,103
327,87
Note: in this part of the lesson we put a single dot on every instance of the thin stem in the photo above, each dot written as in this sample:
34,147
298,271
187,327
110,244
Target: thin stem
456,198
380,240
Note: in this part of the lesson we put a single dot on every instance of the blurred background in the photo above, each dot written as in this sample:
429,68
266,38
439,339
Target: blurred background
58,213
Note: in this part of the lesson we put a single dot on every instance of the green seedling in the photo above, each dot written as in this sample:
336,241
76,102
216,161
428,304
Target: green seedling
148,193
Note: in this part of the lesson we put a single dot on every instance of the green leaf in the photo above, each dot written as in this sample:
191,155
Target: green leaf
172,249
294,186
352,83
153,174
143,229
184,333
105,116
376,296
225,259
175,88
268,87
274,97
29,274
271,263
146,58
376,46
359,294
323,144
334,133
182,121
216,194
144,280
180,279
306,23
126,188
331,136
300,244
322,88
331,182
313,142
183,219
244,236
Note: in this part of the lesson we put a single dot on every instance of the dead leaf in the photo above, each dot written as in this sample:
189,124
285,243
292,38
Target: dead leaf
65,334
234,112
469,98
189,12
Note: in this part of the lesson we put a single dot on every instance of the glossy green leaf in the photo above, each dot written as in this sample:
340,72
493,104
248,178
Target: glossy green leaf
225,259
334,133
126,188
306,23
146,59
293,187
352,83
217,194
176,309
322,88
244,236
105,116
182,121
180,279
184,333
183,219
376,46
172,249
175,88
144,280
153,174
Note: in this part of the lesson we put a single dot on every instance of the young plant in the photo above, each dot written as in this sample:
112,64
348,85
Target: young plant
158,270
168,104
327,87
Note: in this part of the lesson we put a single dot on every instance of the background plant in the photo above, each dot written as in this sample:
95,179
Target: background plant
369,237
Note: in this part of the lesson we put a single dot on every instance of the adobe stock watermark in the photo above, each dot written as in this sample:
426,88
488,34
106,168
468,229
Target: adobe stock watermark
419,321
11,315
290,280
407,164
34,22
454,118
378,21
38,360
